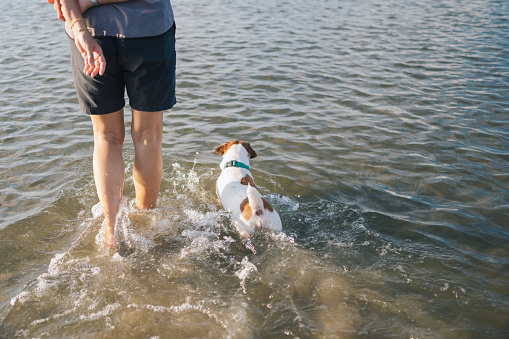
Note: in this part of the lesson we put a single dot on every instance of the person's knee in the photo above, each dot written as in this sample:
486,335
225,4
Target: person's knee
109,128
147,136
111,137
147,128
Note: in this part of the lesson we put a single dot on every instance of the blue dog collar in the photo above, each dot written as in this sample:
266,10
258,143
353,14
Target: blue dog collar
235,163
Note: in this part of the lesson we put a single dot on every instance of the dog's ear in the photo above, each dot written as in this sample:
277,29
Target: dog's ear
221,149
250,151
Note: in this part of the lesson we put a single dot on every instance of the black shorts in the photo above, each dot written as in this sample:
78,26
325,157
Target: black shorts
145,67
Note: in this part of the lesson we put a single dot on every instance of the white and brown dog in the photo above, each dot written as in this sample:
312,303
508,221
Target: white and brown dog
238,193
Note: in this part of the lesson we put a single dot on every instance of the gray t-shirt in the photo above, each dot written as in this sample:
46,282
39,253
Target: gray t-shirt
131,19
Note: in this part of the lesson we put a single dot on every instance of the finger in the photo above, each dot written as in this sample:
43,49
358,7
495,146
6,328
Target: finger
94,72
58,8
100,64
100,61
90,59
86,50
86,68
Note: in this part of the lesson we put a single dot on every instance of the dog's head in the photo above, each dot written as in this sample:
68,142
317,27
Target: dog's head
221,150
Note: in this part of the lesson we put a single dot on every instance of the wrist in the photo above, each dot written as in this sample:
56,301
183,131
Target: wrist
78,24
79,31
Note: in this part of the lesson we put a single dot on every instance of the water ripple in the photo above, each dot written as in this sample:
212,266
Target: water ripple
381,130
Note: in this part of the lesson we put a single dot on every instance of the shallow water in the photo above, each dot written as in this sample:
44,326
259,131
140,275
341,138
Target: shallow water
381,130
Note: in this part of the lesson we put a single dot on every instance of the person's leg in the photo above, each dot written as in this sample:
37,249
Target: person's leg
147,134
109,133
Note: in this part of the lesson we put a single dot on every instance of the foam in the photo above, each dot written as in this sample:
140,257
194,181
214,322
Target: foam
124,231
182,308
106,311
246,268
60,267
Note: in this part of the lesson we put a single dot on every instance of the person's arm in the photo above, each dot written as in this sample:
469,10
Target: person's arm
95,63
83,4
71,11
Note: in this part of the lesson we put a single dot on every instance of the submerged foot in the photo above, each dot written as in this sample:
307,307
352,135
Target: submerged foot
109,237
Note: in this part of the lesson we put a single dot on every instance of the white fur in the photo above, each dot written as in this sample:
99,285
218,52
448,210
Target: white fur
232,193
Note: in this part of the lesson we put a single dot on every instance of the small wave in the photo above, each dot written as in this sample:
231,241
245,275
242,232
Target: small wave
246,268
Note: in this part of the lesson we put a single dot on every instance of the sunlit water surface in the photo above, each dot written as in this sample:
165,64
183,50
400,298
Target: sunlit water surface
382,134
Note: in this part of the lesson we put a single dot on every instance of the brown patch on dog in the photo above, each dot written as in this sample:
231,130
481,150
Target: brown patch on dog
267,205
252,154
245,209
221,150
247,180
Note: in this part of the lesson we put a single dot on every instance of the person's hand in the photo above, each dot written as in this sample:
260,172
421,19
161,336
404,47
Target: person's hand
58,8
92,53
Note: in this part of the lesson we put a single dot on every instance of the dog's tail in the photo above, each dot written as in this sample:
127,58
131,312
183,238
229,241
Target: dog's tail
256,203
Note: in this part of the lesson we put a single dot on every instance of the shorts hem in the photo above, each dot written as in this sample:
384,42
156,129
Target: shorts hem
154,108
100,111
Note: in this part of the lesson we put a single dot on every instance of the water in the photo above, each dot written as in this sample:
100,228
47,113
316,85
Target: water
381,129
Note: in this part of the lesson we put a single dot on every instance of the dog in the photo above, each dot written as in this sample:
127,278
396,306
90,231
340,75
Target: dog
238,193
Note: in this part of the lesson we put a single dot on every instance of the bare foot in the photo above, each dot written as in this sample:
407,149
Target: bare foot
109,237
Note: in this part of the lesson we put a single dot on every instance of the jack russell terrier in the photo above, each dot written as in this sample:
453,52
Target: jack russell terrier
238,193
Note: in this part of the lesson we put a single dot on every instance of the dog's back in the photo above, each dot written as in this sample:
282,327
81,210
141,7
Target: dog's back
238,194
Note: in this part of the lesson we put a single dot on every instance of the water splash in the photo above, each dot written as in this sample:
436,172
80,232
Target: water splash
246,268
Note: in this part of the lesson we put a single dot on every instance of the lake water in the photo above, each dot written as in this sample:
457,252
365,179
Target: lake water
381,128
